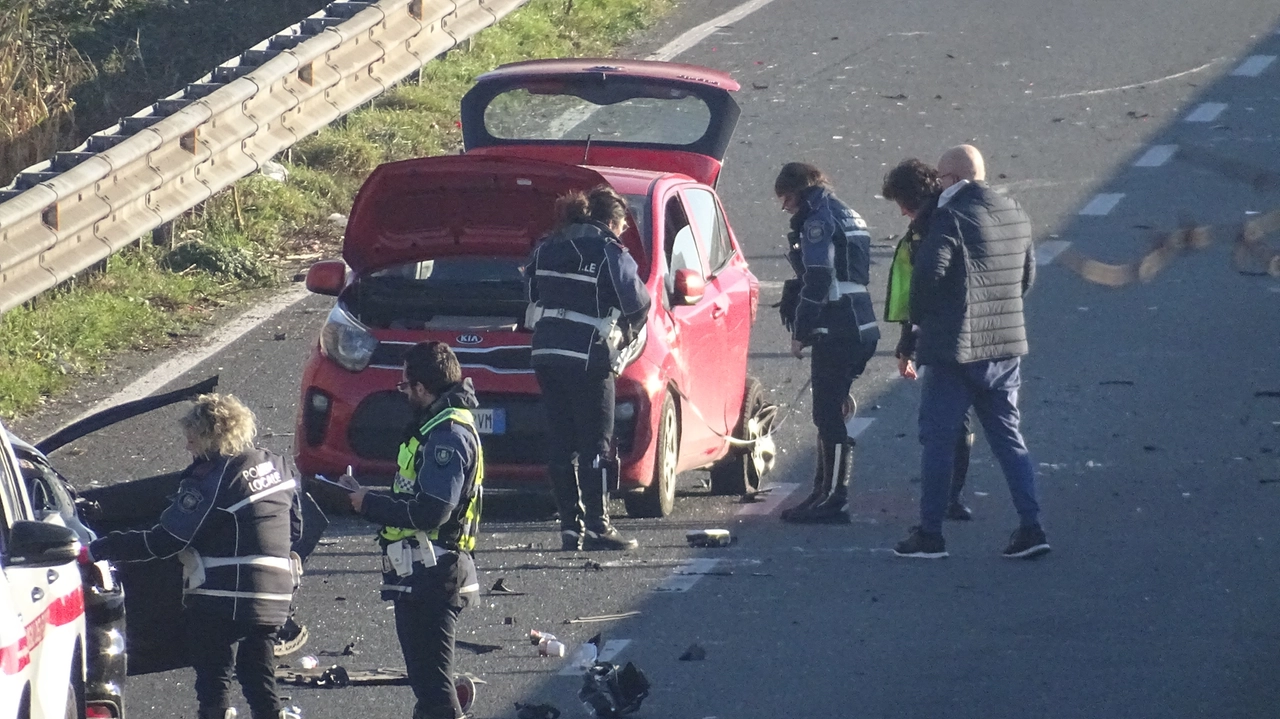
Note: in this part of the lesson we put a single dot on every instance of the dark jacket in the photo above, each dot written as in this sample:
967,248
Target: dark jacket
239,514
582,268
971,272
831,252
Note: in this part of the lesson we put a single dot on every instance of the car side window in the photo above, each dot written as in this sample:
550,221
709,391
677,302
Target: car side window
711,225
679,243
11,510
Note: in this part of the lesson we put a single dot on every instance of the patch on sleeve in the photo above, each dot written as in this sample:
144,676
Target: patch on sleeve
189,500
444,455
815,232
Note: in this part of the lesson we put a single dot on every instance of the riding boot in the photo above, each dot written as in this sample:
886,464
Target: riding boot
564,487
835,508
959,472
821,487
600,533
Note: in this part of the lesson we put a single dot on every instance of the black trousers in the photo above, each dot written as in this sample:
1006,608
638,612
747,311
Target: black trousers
425,628
837,361
210,641
579,409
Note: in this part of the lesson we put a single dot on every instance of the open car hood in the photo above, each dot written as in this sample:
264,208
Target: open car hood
458,205
640,114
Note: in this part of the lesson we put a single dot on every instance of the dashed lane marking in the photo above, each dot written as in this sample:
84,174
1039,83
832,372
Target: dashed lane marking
580,661
696,35
770,501
1048,251
1102,204
1156,156
1253,66
770,284
687,575
1207,112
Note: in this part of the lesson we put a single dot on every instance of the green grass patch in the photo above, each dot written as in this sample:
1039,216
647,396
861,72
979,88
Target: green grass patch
251,237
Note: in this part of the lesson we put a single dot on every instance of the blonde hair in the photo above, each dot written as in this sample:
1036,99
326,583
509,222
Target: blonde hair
219,424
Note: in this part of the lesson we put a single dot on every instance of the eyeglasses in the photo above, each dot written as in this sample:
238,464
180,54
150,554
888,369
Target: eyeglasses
402,386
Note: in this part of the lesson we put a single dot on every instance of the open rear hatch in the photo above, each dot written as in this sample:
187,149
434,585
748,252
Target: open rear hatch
640,114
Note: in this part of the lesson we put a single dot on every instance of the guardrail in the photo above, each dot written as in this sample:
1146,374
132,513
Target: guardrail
65,215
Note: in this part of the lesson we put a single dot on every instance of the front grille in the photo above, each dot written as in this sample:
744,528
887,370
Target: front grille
512,358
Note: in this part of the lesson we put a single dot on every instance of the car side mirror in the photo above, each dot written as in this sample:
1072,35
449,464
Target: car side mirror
41,544
327,277
689,287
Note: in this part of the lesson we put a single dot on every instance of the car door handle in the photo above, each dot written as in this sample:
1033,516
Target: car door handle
37,594
51,576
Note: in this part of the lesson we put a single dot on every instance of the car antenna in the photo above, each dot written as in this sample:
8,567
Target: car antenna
586,150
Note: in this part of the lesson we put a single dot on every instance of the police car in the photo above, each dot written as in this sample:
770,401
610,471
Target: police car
433,251
42,608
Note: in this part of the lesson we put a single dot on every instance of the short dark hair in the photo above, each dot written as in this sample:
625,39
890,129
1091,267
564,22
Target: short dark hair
911,184
797,176
433,365
602,204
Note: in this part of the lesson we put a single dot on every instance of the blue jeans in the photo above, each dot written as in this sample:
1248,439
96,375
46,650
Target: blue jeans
991,388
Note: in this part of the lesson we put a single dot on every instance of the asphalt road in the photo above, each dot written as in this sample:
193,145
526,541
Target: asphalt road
1146,407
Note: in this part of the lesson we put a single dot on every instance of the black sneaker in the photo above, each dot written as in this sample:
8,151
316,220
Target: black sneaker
1027,543
570,541
956,511
922,545
610,538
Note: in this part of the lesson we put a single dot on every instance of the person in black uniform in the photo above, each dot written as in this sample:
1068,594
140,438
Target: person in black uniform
827,308
587,304
231,524
915,187
430,520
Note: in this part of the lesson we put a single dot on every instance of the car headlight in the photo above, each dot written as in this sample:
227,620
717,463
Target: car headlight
347,342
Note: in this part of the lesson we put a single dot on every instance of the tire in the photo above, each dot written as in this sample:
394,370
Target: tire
744,469
74,700
659,498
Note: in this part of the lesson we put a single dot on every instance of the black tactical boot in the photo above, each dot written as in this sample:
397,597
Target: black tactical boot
600,534
564,486
821,487
835,508
959,472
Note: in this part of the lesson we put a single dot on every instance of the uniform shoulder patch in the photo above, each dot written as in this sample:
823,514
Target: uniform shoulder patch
444,455
189,500
815,232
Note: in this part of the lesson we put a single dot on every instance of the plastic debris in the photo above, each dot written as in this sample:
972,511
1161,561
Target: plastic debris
609,691
274,171
500,587
602,617
309,662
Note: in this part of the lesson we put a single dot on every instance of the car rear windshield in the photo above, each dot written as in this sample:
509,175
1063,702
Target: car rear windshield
658,115
442,293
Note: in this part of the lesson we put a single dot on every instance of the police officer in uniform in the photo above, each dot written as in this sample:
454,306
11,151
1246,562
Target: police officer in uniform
231,524
587,307
827,308
430,520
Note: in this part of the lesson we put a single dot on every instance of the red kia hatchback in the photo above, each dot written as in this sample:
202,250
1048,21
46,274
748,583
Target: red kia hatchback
433,251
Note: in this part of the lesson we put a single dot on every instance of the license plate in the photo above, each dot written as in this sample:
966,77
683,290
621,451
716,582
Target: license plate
490,421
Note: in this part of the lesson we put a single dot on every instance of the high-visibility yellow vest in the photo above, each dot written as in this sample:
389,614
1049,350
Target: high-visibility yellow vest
460,530
897,305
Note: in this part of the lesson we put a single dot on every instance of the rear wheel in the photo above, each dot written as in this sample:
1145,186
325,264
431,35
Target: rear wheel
743,470
659,498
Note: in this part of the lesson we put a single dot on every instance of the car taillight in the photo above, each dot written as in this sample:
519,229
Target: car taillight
99,711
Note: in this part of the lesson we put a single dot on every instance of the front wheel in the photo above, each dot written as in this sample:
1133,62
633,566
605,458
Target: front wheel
659,498
744,469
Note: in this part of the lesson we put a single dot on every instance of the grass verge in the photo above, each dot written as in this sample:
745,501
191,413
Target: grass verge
257,234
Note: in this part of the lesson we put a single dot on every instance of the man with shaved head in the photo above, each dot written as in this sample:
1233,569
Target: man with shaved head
973,267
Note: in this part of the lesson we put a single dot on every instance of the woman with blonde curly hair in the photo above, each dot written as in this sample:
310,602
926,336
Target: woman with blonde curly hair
231,525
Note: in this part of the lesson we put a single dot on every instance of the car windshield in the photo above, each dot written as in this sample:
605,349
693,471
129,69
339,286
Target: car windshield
666,116
442,293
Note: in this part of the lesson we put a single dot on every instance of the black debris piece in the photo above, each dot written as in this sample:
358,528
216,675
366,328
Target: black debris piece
695,653
475,648
1267,393
347,651
536,711
592,565
609,691
899,96
500,587
1124,382
509,621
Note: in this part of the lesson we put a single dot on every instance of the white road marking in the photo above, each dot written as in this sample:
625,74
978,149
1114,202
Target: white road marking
771,500
771,284
1207,112
1048,251
578,663
182,362
1253,66
687,575
1102,204
1156,156
696,35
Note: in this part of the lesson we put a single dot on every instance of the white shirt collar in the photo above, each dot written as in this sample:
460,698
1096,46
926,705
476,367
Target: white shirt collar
950,192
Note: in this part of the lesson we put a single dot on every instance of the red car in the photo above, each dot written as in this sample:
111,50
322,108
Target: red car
434,248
